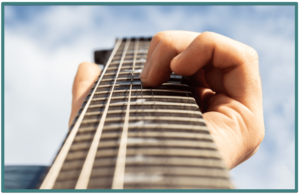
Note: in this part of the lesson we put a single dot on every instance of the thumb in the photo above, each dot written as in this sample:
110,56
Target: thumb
85,77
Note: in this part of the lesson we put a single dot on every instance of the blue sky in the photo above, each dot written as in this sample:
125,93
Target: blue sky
45,44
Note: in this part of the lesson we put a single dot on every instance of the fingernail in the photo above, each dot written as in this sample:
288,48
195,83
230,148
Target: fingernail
145,71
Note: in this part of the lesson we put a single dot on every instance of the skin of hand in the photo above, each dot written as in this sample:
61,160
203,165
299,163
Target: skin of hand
85,78
225,80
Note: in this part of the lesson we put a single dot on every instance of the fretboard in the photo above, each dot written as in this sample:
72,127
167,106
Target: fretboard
129,137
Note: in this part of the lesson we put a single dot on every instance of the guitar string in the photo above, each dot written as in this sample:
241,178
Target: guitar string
155,114
51,177
142,98
84,176
139,131
144,129
118,180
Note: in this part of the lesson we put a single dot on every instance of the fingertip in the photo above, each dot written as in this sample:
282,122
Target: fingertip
146,82
87,71
88,65
174,64
145,71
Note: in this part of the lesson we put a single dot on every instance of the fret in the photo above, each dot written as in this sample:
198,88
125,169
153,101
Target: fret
142,127
148,143
116,119
148,111
123,74
129,61
145,97
170,111
168,186
151,161
159,113
146,103
182,152
149,134
159,91
138,65
139,83
129,67
186,181
140,51
64,184
183,136
123,69
161,126
130,56
137,77
183,171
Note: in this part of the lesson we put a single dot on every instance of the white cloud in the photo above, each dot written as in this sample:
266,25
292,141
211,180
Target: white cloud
42,54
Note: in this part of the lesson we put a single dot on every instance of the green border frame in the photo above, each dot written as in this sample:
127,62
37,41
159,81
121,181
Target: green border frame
151,190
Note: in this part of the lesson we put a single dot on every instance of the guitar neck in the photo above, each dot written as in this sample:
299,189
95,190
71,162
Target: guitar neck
129,137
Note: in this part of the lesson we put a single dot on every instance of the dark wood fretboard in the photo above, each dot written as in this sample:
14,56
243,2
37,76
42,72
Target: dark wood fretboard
129,137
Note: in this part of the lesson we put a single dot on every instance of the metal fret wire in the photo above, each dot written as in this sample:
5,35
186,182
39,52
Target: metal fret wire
57,164
84,176
118,179
157,90
150,110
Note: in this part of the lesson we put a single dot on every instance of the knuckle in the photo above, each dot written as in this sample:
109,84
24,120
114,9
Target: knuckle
205,35
168,45
206,38
166,41
159,36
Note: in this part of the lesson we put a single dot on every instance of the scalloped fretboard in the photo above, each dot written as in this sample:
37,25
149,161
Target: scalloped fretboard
129,137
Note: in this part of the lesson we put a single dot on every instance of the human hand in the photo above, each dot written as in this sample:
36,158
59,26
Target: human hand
226,81
84,80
